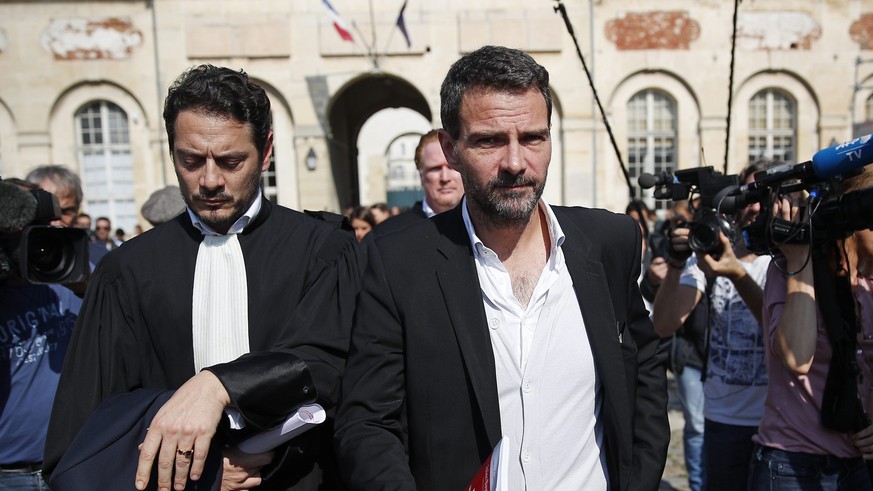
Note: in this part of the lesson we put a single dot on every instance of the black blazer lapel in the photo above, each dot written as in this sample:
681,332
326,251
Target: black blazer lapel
463,297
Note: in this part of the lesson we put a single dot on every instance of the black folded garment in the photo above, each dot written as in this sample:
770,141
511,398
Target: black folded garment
104,454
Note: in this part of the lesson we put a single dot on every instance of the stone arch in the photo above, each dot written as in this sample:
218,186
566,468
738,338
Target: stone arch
284,148
148,174
688,115
352,105
9,160
390,130
557,189
861,95
808,114
62,117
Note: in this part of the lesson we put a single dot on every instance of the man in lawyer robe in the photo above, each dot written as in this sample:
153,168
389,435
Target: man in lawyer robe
442,185
504,318
237,303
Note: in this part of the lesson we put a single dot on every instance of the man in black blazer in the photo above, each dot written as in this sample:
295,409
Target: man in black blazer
442,185
503,319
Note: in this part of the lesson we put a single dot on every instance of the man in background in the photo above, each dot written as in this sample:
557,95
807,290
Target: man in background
83,221
442,185
103,233
36,323
735,371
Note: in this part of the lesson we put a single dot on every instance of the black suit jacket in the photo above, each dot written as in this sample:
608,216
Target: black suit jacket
134,329
420,407
414,214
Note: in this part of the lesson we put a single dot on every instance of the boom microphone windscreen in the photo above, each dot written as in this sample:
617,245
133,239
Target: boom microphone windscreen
17,207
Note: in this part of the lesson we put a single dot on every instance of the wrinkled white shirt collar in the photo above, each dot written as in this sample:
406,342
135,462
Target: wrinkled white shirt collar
556,234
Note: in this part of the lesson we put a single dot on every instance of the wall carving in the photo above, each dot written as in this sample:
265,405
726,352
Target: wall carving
653,30
110,38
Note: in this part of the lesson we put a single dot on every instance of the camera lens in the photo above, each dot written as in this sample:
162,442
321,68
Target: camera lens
704,234
50,259
54,254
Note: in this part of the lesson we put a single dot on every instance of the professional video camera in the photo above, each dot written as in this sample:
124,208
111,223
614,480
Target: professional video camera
32,249
712,214
828,214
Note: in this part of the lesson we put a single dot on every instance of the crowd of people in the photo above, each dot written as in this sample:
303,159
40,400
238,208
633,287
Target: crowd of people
480,318
751,353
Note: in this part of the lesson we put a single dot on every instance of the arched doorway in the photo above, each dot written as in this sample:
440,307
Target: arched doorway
353,105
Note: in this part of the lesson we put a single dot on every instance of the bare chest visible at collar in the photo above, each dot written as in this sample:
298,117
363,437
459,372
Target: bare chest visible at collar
524,272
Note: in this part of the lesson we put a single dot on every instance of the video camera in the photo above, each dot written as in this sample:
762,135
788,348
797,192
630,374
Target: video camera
711,214
32,249
829,215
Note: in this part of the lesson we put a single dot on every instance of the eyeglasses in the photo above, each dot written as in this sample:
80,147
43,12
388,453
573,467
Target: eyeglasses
102,227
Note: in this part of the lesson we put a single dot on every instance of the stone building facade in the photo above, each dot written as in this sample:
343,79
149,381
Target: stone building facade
82,84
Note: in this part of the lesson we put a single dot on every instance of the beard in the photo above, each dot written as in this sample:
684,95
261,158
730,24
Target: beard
505,208
221,218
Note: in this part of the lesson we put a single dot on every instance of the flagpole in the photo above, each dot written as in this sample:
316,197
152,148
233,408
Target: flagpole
370,50
373,30
396,25
388,42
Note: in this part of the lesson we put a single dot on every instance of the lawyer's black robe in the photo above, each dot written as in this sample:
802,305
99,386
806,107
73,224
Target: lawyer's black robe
134,329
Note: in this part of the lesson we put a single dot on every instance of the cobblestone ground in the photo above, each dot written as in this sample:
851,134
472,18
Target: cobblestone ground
675,477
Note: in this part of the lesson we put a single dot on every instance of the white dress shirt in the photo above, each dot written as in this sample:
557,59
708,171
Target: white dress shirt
548,388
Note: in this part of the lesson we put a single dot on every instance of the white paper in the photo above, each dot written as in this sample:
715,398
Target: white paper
498,466
234,417
300,421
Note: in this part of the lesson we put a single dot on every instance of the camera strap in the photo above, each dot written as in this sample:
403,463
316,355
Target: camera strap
707,295
841,409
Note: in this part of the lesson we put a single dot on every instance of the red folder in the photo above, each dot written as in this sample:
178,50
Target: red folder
492,476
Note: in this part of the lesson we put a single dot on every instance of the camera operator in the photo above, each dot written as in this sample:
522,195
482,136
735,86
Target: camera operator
36,322
66,185
686,347
735,379
792,436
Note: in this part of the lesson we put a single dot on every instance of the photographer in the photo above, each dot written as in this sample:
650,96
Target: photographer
686,347
36,322
793,446
735,382
66,185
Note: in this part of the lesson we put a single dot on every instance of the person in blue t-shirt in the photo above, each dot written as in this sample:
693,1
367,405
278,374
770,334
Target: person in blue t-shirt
36,322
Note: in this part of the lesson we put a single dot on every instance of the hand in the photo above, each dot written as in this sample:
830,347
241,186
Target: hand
726,264
186,422
863,441
678,248
657,270
796,255
242,470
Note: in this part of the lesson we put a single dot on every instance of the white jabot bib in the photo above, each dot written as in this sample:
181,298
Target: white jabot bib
220,313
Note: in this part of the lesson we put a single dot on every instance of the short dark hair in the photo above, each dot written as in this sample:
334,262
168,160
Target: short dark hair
430,136
490,67
220,91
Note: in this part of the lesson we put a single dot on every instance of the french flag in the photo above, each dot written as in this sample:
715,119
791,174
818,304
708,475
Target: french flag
338,22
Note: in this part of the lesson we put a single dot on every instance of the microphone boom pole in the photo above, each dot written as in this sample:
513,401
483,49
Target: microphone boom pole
560,9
